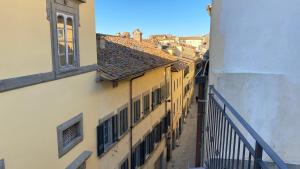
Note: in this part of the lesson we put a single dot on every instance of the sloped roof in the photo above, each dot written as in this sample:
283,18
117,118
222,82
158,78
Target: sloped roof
177,66
190,38
122,57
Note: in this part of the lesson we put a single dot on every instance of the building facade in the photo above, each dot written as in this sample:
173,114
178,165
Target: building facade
49,98
254,64
70,100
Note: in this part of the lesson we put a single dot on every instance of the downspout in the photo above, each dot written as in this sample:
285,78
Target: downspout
202,100
131,120
166,105
171,115
182,95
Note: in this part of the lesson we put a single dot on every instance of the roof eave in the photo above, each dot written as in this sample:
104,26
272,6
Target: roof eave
105,77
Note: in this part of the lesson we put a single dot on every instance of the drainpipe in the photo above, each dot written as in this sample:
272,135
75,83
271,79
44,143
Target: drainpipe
182,97
131,120
171,116
166,103
200,121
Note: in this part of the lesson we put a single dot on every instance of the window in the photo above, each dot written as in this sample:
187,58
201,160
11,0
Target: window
152,141
165,124
64,25
125,164
146,103
186,89
69,134
65,39
123,116
163,92
136,111
158,133
147,146
107,134
174,85
169,118
136,157
156,97
186,71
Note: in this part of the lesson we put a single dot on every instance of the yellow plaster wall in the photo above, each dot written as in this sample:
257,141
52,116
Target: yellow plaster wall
150,162
139,86
189,77
177,94
26,37
34,113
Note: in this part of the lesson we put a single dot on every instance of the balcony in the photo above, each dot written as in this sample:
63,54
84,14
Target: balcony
231,143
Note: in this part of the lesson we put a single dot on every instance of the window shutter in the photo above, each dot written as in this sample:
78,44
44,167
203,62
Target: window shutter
152,137
166,124
159,95
162,124
126,120
156,136
115,128
100,141
142,153
169,118
138,110
159,132
153,99
133,162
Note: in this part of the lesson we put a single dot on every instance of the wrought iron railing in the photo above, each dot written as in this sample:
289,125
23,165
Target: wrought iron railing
231,143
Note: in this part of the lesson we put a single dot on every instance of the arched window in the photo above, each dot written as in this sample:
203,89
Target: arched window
64,25
65,40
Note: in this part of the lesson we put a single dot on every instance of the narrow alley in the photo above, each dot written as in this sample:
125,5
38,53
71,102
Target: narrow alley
183,156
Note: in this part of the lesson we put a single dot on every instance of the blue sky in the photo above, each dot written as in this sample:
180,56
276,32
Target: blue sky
177,17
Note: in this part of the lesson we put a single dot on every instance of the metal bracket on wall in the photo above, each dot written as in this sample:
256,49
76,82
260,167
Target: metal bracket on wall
201,101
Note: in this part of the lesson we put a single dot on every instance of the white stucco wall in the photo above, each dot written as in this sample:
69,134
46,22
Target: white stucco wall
254,61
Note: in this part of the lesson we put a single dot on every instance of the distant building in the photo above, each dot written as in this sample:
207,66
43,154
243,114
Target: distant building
161,91
194,46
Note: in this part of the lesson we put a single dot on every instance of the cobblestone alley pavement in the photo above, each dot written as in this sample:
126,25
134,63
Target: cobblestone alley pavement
184,155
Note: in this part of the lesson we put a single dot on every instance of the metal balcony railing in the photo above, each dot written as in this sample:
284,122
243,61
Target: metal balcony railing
231,143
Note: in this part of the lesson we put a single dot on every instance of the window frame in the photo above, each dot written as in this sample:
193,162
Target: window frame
134,100
68,65
63,149
146,94
123,161
119,121
71,9
112,139
136,154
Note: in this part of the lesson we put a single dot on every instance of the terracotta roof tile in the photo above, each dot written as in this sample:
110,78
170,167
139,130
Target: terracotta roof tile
177,66
124,57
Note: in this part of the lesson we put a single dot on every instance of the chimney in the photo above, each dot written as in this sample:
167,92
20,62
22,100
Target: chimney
102,43
125,35
138,35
